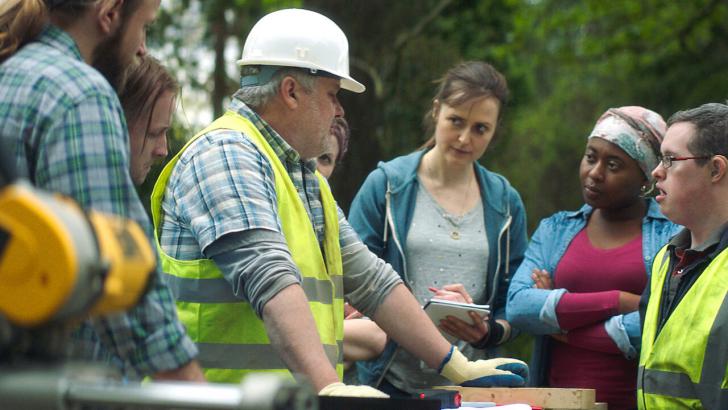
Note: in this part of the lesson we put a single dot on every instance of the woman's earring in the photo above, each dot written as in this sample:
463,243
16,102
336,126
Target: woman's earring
646,189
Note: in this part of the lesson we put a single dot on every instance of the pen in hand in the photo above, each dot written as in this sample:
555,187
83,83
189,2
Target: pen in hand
455,293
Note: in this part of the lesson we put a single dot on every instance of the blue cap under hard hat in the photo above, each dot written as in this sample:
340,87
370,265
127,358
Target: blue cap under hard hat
264,73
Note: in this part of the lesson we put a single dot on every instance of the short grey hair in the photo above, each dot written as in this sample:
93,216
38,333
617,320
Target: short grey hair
257,96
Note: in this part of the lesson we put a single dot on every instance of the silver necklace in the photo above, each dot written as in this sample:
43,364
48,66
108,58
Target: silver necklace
456,220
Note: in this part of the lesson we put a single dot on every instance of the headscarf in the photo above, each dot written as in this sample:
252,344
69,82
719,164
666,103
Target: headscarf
637,131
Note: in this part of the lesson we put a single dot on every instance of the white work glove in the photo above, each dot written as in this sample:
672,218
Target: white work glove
483,373
341,389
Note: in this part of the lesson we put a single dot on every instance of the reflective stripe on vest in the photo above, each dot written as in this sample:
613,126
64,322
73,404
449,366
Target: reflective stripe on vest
686,365
231,338
250,356
218,290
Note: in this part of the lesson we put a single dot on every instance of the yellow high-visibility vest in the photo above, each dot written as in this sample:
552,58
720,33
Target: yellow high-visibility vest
686,364
230,336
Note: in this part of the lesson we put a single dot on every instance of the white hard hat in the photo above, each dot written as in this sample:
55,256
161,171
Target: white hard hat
300,38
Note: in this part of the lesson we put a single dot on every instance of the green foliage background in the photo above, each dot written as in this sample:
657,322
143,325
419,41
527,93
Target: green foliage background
566,61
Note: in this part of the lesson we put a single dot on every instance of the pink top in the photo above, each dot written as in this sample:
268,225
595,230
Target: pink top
590,359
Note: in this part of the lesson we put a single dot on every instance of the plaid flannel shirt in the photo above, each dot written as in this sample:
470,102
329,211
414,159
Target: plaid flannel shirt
66,129
223,184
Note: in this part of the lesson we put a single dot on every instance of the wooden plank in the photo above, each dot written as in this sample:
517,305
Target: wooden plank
581,399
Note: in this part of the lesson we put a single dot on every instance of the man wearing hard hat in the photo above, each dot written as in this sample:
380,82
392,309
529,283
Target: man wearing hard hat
257,252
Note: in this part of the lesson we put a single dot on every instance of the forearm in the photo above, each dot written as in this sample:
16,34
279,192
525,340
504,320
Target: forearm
190,372
593,337
363,340
417,334
575,310
628,302
293,335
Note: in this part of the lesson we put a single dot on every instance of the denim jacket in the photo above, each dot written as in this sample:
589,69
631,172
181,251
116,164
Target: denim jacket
382,211
534,310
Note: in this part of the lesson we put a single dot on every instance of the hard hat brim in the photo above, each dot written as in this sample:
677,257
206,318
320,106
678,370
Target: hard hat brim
347,82
352,85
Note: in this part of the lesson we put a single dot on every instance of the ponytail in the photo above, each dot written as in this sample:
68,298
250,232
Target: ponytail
21,21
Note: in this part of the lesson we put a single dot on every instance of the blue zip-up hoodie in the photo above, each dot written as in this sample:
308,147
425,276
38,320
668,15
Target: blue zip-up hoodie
382,213
534,310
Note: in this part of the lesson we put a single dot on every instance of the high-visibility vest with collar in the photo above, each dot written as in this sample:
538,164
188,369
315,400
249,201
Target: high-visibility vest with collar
686,364
230,336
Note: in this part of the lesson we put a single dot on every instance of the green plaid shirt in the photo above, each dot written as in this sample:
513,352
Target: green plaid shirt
66,129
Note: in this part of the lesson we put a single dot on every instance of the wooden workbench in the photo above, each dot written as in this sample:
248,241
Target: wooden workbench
547,398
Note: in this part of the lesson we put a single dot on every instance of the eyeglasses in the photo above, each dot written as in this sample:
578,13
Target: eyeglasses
667,160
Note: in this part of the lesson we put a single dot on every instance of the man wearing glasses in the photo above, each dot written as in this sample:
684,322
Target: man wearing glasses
683,362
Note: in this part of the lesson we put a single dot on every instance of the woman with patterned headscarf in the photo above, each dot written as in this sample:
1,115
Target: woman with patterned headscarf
579,286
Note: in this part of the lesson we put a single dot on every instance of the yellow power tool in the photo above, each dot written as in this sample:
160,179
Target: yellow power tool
59,263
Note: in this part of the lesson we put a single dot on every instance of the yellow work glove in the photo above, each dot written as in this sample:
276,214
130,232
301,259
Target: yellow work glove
483,373
341,389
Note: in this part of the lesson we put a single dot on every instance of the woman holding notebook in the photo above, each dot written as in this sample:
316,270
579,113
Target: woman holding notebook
451,228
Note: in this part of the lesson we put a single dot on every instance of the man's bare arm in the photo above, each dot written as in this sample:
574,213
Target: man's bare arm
292,332
190,372
417,334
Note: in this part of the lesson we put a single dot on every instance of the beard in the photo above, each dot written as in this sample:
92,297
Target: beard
110,62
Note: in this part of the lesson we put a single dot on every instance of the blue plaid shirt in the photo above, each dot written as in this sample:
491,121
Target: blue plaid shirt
222,184
66,128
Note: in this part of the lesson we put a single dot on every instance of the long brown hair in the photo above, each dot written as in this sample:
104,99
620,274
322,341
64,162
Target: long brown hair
146,82
20,22
466,81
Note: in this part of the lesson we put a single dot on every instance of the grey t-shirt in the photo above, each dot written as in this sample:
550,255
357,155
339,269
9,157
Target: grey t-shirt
441,249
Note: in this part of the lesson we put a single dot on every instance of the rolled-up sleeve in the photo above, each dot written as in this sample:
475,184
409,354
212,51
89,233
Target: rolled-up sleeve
256,263
367,278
